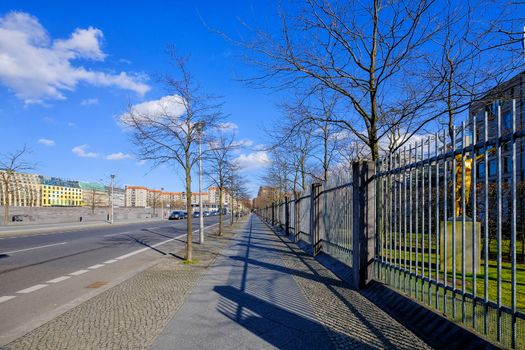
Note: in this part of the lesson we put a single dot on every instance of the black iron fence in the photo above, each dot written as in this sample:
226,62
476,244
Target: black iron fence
442,220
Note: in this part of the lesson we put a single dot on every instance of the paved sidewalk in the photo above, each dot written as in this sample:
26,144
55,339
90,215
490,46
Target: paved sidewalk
263,292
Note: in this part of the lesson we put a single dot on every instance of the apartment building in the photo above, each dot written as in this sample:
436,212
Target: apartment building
24,190
58,192
136,196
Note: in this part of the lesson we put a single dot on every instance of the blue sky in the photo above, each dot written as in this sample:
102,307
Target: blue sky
69,69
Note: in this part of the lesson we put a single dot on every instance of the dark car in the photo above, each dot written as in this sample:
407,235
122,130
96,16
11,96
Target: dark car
177,215
196,214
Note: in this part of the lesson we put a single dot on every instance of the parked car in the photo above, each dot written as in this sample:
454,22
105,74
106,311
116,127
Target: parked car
196,214
207,213
177,215
17,218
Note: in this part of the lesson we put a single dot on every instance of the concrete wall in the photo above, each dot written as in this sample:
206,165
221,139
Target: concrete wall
49,215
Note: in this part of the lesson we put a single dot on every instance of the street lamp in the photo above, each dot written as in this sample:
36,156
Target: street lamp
112,180
200,126
161,204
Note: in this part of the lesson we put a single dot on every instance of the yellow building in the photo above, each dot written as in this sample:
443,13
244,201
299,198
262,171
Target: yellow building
61,196
58,192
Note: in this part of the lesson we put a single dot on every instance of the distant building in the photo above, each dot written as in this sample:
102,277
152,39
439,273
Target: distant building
265,196
25,190
172,200
94,195
119,196
501,97
60,192
136,196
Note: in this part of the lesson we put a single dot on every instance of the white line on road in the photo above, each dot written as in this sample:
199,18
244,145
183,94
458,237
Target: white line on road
32,289
79,272
131,254
58,279
94,267
42,246
110,261
6,298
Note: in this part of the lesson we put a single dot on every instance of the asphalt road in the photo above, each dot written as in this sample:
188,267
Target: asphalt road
44,275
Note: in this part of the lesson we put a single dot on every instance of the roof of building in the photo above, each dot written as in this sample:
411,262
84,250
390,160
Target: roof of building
55,181
92,186
136,188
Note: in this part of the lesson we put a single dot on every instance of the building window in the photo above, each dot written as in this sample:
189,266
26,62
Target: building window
481,170
492,167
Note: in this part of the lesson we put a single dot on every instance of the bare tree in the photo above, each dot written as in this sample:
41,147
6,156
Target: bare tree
10,164
218,164
359,50
96,199
471,56
236,189
171,134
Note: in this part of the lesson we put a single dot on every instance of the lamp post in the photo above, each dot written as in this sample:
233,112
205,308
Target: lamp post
200,126
161,204
112,180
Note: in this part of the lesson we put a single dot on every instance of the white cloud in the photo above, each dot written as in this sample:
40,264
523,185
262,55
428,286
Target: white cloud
172,106
81,151
89,102
71,124
46,142
37,68
141,162
228,126
254,160
118,156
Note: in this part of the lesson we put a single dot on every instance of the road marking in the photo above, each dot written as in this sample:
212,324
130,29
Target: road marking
58,279
79,272
32,289
131,254
110,261
94,267
42,246
6,298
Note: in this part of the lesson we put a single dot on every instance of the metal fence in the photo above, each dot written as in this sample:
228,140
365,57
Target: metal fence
448,218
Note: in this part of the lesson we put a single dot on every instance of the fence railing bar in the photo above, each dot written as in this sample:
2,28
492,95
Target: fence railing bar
499,223
513,225
463,228
486,229
429,205
474,226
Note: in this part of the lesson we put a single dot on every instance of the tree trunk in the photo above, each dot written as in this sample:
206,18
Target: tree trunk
220,211
6,206
189,237
231,206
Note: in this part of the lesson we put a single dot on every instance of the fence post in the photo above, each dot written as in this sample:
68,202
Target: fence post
314,218
363,217
286,216
297,219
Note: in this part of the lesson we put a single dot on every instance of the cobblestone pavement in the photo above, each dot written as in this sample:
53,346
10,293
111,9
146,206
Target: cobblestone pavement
351,320
131,314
